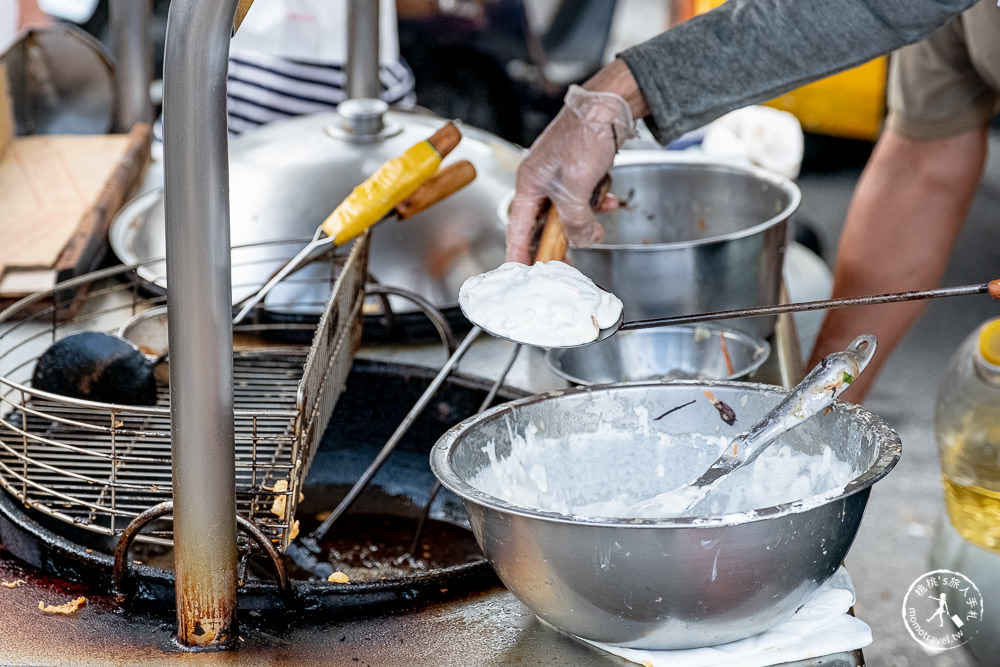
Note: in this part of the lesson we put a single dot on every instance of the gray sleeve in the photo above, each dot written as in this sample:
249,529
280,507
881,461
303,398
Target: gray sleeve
747,51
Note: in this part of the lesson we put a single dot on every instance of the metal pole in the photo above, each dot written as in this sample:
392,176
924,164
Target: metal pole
992,288
132,48
199,300
352,494
362,49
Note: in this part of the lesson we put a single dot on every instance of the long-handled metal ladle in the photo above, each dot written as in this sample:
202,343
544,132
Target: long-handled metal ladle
76,365
992,288
553,244
333,231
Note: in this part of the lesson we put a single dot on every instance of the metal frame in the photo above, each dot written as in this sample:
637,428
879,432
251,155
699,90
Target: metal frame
121,566
98,466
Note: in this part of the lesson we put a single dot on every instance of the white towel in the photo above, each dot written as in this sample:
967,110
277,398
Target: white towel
768,137
821,627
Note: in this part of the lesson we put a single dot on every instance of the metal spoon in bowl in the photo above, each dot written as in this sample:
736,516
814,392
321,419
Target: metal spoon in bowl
823,384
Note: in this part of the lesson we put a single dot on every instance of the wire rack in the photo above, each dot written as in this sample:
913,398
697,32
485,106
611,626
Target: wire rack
98,465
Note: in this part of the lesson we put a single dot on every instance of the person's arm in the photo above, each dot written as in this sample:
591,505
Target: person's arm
742,52
617,78
908,208
746,51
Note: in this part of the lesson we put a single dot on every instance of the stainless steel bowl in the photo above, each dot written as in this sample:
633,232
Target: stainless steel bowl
668,583
147,331
670,353
696,236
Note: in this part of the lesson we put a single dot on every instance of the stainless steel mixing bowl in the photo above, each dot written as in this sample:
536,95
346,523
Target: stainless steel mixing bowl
668,583
671,353
696,236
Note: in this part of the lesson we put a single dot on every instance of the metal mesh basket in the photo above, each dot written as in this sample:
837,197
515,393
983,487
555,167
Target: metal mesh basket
98,465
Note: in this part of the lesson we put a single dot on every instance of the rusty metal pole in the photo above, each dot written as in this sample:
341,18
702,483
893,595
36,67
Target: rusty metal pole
199,299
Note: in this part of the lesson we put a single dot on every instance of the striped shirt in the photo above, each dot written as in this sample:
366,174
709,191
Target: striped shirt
262,88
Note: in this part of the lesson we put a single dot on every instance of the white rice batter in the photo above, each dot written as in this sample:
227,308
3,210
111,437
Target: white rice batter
547,304
598,475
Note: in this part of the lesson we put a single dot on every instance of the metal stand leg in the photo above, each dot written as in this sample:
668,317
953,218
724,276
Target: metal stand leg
485,404
132,530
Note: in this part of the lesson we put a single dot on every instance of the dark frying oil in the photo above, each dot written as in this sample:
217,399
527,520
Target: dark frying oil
370,547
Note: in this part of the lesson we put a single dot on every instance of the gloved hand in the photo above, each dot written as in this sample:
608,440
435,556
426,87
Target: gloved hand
564,165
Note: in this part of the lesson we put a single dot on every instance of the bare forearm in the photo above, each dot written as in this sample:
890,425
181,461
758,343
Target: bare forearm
908,209
616,78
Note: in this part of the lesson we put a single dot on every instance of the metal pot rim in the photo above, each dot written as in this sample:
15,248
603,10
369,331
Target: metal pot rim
889,451
762,351
629,158
662,157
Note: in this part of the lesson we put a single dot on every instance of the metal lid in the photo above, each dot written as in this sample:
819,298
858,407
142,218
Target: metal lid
286,177
362,120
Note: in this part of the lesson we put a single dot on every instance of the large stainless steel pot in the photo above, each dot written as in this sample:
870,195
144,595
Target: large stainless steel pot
696,236
287,176
667,583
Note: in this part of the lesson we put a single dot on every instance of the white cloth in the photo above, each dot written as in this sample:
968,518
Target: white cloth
8,23
77,11
821,627
767,137
287,59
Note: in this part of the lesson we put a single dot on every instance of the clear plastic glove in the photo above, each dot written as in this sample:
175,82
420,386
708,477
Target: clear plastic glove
564,165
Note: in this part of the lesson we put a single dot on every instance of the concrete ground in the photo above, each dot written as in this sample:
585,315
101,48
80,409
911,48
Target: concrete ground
896,537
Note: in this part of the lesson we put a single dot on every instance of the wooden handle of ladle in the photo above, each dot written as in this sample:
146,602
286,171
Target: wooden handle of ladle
445,139
994,288
447,181
553,243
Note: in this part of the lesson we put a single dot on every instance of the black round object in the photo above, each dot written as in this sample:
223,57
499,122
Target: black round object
96,367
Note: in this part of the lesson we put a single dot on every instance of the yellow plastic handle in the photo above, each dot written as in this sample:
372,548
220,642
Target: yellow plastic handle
394,181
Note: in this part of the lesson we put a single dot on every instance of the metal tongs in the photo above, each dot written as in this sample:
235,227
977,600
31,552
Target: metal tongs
403,187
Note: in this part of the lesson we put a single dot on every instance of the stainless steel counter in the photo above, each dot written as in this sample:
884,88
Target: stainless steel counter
492,628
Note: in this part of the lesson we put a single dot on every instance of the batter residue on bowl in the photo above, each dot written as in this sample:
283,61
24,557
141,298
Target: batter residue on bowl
602,475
